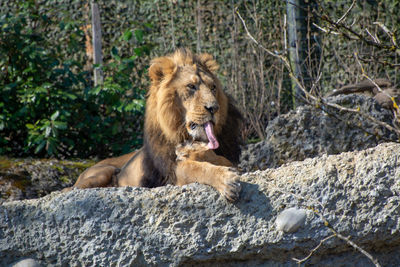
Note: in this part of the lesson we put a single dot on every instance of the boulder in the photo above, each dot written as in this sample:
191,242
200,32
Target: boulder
356,194
309,132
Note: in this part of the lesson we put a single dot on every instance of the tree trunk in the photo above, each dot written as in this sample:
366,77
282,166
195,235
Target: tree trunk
303,46
97,55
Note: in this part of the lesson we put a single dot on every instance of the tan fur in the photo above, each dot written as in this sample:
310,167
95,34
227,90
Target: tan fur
172,108
199,151
101,174
197,163
135,171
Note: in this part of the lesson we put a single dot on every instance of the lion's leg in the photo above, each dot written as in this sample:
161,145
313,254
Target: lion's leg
222,178
103,173
97,176
199,151
211,157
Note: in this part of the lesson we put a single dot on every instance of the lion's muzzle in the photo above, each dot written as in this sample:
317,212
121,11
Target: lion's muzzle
212,140
204,133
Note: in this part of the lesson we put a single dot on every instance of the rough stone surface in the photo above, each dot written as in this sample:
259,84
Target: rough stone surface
309,132
357,192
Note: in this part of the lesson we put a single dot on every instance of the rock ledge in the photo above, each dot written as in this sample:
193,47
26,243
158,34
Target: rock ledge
357,192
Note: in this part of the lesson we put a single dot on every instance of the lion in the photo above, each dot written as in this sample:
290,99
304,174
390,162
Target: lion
191,132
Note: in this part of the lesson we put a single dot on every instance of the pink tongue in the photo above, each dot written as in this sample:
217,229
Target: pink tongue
213,143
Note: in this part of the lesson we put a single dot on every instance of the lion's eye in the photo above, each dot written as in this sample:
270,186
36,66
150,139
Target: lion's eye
213,88
192,126
192,87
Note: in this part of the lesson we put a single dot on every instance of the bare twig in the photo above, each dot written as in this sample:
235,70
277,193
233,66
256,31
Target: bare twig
284,34
324,29
347,240
351,34
299,261
354,245
388,32
314,85
376,60
375,38
317,100
347,12
254,40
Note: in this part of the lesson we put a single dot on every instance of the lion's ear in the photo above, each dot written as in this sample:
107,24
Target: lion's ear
161,67
208,61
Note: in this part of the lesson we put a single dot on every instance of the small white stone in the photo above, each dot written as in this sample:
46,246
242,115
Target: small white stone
290,220
26,263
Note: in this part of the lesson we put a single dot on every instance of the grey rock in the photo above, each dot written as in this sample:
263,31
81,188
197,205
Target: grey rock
309,132
291,219
194,225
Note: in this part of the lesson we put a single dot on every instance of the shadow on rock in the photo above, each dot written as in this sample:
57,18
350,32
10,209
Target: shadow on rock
253,202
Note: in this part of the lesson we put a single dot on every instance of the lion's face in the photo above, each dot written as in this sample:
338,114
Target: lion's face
197,90
187,97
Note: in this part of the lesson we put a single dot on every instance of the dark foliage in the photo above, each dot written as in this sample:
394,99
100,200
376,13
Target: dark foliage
48,106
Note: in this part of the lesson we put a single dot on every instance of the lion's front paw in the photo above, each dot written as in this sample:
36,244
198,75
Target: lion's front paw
230,186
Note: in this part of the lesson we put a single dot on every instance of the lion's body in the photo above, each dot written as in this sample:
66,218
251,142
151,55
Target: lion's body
185,104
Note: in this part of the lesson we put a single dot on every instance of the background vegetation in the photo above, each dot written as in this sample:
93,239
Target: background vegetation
49,106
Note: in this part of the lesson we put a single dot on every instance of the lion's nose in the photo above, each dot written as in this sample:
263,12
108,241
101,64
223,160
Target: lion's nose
212,108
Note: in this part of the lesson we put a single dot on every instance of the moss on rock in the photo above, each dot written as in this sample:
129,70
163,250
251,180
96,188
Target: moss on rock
31,178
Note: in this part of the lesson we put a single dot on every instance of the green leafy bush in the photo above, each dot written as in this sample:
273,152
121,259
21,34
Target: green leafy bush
47,104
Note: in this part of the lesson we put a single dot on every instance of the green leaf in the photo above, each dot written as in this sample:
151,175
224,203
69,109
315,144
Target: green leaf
114,129
10,86
46,85
71,96
137,51
51,147
114,53
113,64
95,90
29,126
60,125
37,139
40,146
54,132
135,105
55,115
139,35
46,123
48,131
127,35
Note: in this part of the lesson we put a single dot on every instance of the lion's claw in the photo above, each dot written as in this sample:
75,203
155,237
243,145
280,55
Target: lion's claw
232,190
233,170
235,184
